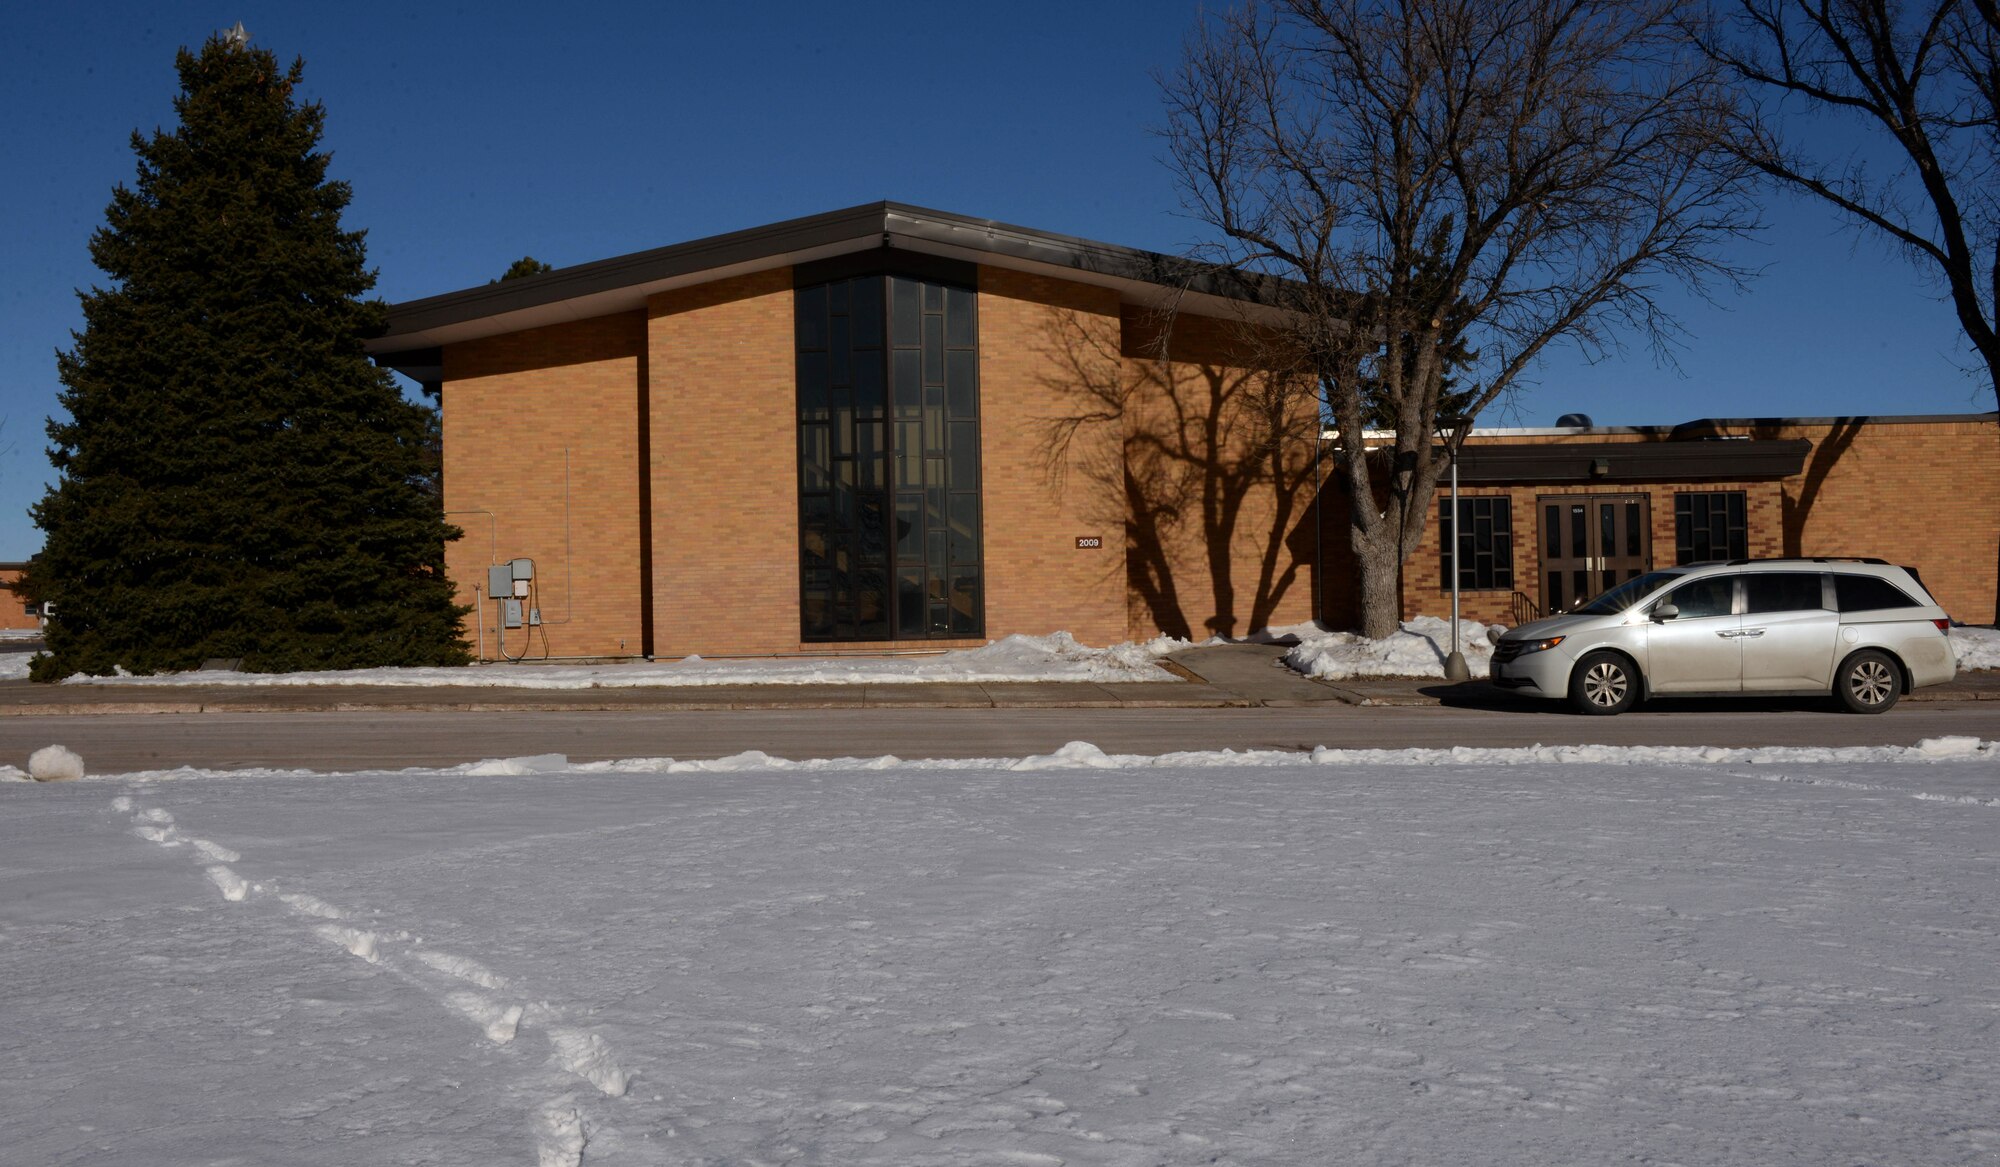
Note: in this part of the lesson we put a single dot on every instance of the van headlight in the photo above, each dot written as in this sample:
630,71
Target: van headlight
1529,646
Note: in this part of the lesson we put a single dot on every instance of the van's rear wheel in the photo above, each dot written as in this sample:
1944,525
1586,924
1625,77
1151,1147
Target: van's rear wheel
1869,682
1603,683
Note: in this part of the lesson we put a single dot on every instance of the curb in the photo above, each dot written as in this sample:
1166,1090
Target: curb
151,708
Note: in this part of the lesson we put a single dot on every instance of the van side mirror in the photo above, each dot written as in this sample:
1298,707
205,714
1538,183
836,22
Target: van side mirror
1664,612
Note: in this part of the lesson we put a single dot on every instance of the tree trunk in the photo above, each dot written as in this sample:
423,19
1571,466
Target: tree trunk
1379,567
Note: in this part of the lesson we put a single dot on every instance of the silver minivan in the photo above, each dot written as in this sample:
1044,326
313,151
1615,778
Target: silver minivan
1864,631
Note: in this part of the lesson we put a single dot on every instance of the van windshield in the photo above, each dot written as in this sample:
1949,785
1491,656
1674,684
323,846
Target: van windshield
1628,593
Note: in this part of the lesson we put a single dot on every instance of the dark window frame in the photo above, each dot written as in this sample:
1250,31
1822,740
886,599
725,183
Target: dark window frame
1704,518
1486,548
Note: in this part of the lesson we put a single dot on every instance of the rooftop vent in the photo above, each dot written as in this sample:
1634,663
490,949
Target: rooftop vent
1574,421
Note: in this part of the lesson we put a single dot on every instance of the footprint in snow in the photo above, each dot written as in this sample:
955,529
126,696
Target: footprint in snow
234,887
560,1131
214,852
354,940
588,1056
559,1134
306,905
498,1022
463,969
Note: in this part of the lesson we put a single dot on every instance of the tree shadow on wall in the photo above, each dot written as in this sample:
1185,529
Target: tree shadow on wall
1207,462
1795,510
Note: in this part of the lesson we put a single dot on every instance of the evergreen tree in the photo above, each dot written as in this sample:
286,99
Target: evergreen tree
236,479
522,268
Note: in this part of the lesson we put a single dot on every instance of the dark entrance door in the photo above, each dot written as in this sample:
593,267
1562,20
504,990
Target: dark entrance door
1590,544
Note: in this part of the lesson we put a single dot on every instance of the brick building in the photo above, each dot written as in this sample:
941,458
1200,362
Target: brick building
883,427
16,614
1551,513
888,427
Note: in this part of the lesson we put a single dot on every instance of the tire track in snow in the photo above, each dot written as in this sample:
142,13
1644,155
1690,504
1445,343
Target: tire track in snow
561,1129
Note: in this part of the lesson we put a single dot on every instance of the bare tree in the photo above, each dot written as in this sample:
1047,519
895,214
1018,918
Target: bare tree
1448,187
1925,78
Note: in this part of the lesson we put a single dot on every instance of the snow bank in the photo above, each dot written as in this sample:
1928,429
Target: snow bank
1085,756
514,767
1977,648
14,665
55,764
1418,650
1056,657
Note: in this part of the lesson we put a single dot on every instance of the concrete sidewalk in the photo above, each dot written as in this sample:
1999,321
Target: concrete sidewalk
1216,677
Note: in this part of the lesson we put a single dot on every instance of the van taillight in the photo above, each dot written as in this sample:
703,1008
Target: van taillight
1942,625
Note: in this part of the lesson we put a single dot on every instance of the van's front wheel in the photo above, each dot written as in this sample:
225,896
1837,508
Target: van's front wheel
1603,683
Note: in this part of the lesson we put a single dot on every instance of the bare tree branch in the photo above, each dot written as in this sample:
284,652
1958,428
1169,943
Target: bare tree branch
1924,75
1448,187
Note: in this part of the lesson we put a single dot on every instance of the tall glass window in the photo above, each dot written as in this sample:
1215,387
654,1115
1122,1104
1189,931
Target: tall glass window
888,393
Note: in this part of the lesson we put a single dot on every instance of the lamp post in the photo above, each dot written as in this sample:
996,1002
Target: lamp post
1453,431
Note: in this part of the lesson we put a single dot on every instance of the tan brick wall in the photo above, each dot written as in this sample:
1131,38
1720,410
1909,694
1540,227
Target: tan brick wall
1037,581
1922,494
718,364
1222,539
14,609
725,467
521,412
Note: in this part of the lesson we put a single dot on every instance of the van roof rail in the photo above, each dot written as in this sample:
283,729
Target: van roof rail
1810,559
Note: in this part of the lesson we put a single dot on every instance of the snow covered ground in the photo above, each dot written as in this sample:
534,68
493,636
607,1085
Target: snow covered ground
1418,650
1056,657
1578,955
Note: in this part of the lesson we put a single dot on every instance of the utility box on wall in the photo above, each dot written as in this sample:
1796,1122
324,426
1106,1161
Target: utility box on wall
511,584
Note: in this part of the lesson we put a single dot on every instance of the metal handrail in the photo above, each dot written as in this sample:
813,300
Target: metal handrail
1525,609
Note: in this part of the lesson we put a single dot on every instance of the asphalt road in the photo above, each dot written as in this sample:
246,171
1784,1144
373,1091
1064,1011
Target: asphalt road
114,743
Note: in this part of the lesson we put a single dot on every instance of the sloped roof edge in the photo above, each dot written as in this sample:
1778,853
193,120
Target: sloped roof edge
623,282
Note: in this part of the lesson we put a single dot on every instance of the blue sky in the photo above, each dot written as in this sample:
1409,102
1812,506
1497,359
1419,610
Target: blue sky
474,134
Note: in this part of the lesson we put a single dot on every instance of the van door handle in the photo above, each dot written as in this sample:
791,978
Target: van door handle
1751,632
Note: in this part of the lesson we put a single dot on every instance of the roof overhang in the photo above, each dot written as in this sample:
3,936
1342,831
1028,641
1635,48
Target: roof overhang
1682,461
418,329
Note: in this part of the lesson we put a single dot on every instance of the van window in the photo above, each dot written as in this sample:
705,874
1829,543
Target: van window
1704,597
1624,595
1866,593
1782,591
